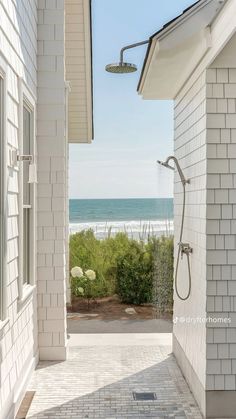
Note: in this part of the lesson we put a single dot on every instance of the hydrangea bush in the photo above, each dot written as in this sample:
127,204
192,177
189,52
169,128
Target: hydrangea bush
82,282
138,271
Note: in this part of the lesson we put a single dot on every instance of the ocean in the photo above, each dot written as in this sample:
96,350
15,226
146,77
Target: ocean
137,217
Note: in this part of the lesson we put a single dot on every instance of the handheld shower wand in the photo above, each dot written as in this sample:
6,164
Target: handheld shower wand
183,248
166,164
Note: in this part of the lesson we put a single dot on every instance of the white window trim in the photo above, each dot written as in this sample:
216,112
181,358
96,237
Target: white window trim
25,290
3,198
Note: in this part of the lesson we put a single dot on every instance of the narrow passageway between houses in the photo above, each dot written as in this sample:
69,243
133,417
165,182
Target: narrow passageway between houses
113,376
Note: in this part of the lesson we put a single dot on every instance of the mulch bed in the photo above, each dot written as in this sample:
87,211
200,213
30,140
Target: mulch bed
110,308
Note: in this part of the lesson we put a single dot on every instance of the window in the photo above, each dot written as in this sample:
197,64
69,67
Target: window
3,196
27,192
26,195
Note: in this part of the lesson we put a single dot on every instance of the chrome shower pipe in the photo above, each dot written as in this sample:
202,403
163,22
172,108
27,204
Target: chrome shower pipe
137,44
166,164
183,248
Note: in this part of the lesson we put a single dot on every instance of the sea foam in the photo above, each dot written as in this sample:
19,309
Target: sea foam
134,229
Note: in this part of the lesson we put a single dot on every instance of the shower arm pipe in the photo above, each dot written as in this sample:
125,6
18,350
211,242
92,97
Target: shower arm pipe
137,44
183,180
183,248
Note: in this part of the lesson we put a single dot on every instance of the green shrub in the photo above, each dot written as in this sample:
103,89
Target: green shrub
139,272
84,249
99,288
163,265
134,275
101,256
84,283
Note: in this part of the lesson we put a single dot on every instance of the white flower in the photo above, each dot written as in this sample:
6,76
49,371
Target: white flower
81,290
90,274
76,272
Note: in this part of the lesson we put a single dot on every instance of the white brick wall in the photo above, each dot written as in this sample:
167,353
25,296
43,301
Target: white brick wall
221,255
190,149
18,338
52,186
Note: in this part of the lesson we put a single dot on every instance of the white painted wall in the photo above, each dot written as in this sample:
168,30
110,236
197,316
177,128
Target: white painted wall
32,54
190,149
205,144
18,333
79,70
52,182
221,214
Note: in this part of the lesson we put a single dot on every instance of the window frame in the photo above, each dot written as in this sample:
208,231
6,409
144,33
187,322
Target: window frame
27,100
3,191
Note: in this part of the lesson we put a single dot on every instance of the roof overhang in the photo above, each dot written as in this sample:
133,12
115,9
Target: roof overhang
175,51
78,65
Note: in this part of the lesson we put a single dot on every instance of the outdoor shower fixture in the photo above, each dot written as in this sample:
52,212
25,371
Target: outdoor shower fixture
121,67
183,248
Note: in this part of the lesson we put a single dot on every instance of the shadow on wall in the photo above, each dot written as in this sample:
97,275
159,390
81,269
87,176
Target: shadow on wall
18,339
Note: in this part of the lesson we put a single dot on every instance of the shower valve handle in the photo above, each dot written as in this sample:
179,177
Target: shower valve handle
185,249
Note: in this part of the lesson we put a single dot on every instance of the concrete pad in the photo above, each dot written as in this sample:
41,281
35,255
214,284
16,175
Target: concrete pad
121,339
78,325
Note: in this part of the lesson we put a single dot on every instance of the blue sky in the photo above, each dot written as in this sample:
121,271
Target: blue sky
130,133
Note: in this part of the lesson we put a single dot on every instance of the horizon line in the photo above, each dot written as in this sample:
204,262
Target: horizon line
155,197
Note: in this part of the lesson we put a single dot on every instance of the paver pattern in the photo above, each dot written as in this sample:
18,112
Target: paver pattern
99,381
118,326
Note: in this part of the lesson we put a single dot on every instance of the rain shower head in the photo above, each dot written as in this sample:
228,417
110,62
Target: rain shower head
166,164
121,68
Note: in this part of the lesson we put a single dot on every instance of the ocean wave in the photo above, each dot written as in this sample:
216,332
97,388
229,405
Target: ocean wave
136,229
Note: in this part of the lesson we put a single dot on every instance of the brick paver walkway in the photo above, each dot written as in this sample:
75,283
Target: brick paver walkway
98,382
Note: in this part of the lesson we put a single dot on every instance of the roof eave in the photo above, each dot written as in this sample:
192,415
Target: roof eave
77,64
164,32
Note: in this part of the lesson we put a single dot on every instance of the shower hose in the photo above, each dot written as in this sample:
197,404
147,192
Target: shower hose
180,252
